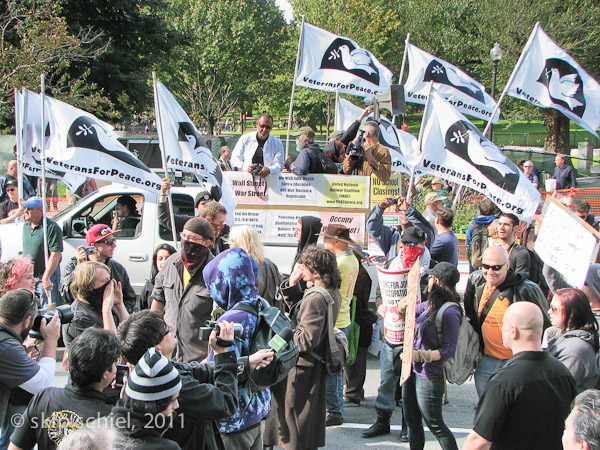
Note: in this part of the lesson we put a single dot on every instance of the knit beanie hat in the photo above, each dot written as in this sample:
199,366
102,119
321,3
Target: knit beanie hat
200,226
153,378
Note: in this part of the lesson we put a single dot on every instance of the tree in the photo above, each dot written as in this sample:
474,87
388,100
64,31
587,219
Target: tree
231,48
34,40
137,37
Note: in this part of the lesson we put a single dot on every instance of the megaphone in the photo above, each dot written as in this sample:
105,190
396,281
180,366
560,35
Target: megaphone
393,99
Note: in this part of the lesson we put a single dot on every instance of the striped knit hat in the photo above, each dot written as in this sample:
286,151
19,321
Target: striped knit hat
153,378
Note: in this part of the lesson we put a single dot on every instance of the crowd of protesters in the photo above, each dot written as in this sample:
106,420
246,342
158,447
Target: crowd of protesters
141,376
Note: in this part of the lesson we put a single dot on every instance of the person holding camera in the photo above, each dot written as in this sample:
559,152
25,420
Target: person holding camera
101,245
18,310
98,301
54,413
259,152
366,156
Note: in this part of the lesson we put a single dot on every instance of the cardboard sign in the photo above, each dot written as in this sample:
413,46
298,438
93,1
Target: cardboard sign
566,242
393,287
413,296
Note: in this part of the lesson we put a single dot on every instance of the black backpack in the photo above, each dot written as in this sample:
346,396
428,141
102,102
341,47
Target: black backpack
479,242
324,163
270,321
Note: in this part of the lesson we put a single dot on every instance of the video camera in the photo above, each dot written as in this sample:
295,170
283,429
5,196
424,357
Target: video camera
356,150
210,326
65,314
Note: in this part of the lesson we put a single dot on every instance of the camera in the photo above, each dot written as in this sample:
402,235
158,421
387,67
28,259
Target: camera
89,249
356,150
256,168
210,325
65,314
392,200
122,372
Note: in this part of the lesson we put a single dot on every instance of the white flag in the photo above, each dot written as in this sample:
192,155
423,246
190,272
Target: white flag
185,149
81,144
30,105
337,64
403,146
465,93
454,149
548,77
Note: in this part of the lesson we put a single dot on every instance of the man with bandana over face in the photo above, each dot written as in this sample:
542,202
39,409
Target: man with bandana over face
180,290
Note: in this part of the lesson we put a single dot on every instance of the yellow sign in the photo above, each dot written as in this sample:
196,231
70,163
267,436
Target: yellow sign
379,190
345,192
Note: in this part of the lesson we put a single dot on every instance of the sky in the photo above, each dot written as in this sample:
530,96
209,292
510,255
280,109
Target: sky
285,6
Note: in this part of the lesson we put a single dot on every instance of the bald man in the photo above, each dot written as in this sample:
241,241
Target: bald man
525,403
490,291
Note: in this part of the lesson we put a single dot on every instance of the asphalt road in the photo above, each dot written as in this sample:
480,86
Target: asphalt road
458,414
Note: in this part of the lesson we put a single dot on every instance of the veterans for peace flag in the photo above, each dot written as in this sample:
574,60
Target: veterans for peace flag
81,144
463,92
549,77
403,146
29,124
337,64
185,149
454,149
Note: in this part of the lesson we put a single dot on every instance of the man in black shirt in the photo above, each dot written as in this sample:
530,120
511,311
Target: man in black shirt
525,404
9,208
54,413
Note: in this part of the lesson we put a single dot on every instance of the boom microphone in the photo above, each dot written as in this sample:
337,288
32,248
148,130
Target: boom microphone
281,340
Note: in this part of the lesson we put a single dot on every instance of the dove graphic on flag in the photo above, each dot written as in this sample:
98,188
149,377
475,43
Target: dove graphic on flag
29,125
463,92
185,149
82,144
337,64
549,77
403,146
455,149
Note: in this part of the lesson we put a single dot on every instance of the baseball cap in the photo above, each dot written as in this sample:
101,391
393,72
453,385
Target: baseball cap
34,202
413,235
99,232
11,183
445,272
306,131
432,197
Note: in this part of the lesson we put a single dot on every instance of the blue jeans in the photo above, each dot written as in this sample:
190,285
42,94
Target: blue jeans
422,399
54,294
8,426
486,367
387,386
335,389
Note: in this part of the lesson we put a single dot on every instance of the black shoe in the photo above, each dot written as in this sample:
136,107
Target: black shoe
404,435
332,421
377,429
352,400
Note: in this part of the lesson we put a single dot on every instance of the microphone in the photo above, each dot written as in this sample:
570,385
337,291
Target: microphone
281,340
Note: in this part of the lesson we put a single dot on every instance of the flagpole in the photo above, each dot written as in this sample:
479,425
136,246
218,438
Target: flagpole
43,190
512,77
163,155
337,107
419,139
402,67
289,127
19,115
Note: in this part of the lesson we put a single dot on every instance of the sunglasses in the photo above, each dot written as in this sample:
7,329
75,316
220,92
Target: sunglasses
268,127
410,244
495,268
553,308
109,241
166,330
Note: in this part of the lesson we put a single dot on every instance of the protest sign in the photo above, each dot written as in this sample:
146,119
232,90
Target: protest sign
413,297
394,287
566,243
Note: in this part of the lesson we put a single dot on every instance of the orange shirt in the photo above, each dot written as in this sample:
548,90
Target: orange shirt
491,329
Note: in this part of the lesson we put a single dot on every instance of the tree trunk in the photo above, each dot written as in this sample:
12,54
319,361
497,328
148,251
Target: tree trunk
557,132
211,126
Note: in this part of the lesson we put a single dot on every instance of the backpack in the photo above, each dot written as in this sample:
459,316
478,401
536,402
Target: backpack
462,364
536,266
336,352
270,321
480,240
324,163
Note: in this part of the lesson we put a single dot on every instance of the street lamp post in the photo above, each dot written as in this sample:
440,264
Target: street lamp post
496,56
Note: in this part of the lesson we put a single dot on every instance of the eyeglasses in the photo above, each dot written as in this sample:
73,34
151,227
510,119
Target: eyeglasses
268,127
187,237
167,330
410,244
495,268
108,241
11,190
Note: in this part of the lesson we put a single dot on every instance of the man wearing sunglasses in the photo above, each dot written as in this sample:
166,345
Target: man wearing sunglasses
102,238
490,291
259,149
